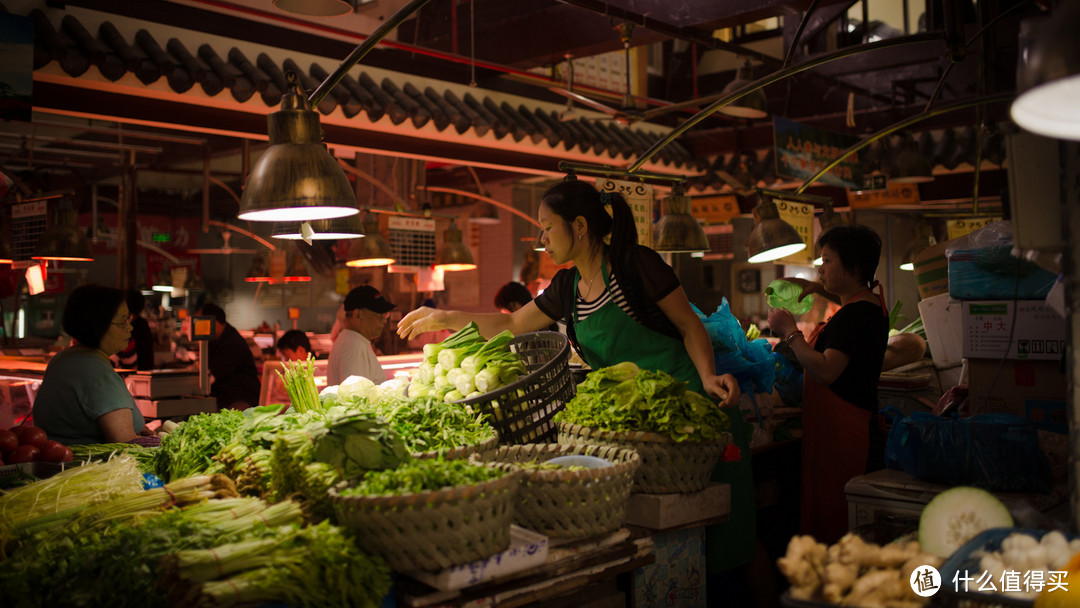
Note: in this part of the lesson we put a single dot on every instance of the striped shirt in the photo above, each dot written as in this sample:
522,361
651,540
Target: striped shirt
613,292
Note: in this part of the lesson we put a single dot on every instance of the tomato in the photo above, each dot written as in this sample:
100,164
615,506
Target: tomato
24,453
8,441
18,430
54,451
34,436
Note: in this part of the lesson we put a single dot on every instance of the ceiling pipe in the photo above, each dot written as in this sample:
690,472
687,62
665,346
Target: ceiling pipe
486,199
770,79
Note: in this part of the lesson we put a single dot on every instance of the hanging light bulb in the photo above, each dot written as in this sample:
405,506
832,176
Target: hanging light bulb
296,178
909,165
1048,76
677,230
454,255
372,250
772,238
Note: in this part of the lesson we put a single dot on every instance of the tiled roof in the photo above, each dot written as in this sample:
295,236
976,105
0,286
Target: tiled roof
217,69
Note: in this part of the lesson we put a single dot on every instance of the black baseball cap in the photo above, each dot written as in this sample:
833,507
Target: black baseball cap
367,297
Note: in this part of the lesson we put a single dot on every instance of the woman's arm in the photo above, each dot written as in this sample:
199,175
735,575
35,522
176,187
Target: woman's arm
525,319
825,367
677,308
117,426
809,287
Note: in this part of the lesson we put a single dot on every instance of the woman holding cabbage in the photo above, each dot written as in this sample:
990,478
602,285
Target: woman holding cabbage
622,302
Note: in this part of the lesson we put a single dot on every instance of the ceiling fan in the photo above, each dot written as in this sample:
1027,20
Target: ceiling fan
627,114
225,249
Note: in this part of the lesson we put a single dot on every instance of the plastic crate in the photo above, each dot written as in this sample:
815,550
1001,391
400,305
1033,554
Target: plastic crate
12,474
522,411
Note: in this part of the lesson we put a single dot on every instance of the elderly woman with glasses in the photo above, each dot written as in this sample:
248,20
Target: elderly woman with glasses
81,398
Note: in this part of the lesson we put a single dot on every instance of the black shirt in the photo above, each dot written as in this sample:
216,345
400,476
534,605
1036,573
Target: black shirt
233,366
861,331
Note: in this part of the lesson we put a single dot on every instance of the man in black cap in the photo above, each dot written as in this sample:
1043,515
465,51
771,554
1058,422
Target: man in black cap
365,316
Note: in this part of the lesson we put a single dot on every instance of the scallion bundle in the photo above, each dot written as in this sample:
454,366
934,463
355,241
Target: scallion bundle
299,379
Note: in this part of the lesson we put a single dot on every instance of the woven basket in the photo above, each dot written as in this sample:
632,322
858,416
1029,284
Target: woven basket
522,411
484,448
432,530
562,503
667,466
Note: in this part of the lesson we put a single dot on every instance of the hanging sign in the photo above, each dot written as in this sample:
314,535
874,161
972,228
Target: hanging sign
640,198
801,217
893,194
803,150
961,227
714,209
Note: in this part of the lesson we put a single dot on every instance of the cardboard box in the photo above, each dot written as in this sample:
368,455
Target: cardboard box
1035,390
678,576
665,511
1016,329
932,271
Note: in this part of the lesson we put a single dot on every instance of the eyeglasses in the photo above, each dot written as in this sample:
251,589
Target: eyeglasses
127,321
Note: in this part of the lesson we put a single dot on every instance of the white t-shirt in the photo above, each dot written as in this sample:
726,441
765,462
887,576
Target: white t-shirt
352,355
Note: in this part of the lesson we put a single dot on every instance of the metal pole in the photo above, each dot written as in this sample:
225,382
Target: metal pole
363,49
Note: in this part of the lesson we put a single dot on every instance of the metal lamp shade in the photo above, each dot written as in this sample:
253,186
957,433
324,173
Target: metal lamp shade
372,250
1048,75
63,240
910,166
453,256
752,105
677,230
333,229
484,213
772,238
314,8
6,256
296,178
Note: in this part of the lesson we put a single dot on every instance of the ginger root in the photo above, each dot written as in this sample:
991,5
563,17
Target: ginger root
853,572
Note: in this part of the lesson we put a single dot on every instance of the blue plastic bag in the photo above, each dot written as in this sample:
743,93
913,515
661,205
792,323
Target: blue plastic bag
751,363
993,451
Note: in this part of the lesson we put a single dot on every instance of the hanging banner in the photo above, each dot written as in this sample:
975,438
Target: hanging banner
803,150
714,209
640,198
893,194
801,217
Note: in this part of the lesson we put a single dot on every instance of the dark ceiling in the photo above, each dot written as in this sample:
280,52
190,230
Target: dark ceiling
970,53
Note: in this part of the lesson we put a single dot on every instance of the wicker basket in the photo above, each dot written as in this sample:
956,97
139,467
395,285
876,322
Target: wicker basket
432,530
563,503
667,466
521,411
484,448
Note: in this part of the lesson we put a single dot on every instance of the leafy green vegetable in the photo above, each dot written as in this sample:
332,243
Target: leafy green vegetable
422,476
191,447
624,397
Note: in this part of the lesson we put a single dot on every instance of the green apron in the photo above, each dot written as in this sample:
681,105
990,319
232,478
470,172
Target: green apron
609,336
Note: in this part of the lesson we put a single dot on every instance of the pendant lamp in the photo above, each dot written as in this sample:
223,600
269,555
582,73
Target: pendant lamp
333,229
296,178
753,105
63,240
372,250
1048,75
453,255
6,257
924,238
484,213
909,165
314,8
677,230
772,238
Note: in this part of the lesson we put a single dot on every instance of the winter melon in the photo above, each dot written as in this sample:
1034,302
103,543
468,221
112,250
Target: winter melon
957,515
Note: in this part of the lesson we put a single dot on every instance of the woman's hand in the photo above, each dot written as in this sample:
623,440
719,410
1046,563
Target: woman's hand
725,388
419,321
781,322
